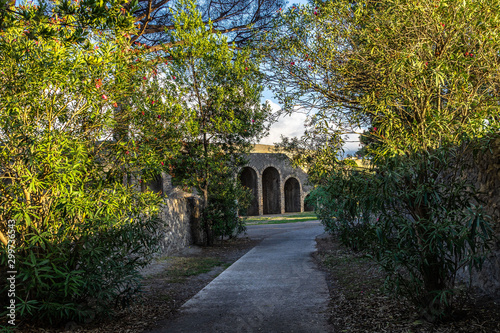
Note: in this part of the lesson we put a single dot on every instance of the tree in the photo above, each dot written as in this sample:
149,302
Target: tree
82,229
220,92
304,65
84,117
239,20
424,75
346,61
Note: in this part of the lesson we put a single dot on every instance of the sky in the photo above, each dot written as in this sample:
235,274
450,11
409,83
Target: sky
293,125
289,126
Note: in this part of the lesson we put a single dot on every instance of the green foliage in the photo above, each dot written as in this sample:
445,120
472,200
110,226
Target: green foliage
306,55
431,226
84,116
81,230
420,219
345,204
423,76
437,80
421,72
227,198
219,89
317,151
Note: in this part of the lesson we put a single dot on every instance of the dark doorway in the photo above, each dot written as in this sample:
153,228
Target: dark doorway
292,195
308,207
248,178
271,191
155,184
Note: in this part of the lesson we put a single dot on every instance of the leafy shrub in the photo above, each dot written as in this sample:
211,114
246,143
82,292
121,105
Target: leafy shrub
77,256
431,226
346,203
81,231
227,198
418,216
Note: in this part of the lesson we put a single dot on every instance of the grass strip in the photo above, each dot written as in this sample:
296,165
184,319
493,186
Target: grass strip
286,218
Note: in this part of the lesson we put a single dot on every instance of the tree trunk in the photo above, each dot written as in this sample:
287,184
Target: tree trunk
206,224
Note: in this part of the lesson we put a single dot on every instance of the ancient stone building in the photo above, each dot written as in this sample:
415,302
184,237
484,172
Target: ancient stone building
277,187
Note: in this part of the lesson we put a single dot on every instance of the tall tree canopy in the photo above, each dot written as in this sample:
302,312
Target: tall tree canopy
81,229
239,20
84,117
424,75
424,70
220,90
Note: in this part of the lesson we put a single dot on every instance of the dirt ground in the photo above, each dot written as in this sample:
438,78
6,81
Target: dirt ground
358,302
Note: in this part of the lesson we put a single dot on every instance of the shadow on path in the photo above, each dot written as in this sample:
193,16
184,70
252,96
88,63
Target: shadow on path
275,287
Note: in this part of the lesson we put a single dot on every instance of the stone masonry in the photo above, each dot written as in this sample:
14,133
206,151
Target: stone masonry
277,187
485,174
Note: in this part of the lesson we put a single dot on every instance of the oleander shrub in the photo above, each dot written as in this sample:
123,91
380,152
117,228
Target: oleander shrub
82,229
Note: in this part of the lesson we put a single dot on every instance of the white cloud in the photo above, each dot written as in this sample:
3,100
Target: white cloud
289,126
293,126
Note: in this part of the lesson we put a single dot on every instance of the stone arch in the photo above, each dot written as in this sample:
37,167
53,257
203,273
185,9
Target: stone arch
248,178
292,195
308,207
271,194
155,184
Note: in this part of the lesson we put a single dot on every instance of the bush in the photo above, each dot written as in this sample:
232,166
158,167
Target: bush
418,216
227,198
78,254
431,226
345,204
81,231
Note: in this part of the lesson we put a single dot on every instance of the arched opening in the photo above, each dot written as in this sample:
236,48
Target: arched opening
248,178
308,206
292,195
271,191
155,184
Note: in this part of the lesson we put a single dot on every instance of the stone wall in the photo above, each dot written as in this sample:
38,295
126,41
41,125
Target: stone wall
180,215
485,174
180,211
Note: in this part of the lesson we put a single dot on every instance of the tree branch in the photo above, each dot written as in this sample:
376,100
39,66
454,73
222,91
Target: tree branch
145,24
3,239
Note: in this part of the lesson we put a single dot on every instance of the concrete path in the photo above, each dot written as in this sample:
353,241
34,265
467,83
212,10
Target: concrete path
275,287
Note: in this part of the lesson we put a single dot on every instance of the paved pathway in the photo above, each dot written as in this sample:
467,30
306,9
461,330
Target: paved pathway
275,287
